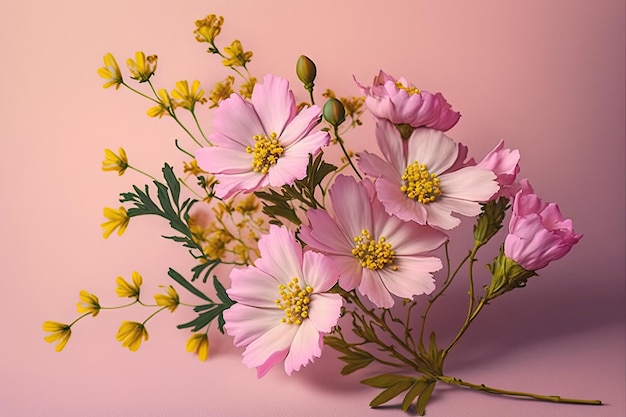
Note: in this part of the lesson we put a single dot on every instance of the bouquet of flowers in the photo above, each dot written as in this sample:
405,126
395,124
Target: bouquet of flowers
320,254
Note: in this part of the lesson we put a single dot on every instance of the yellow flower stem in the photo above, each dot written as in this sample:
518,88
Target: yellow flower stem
140,93
184,183
80,317
193,114
141,172
122,306
484,388
189,154
345,152
153,314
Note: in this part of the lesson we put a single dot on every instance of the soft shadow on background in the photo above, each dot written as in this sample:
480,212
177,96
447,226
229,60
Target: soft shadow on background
545,75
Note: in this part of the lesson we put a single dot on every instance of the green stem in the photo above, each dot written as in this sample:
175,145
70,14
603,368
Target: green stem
141,172
345,152
139,92
484,388
465,326
200,128
153,314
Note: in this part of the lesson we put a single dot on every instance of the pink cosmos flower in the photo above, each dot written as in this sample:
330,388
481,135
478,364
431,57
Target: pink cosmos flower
375,252
538,233
283,307
401,102
263,142
505,164
415,182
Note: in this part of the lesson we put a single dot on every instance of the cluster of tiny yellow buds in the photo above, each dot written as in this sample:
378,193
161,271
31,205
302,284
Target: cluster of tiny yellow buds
353,105
187,98
419,184
265,152
295,301
199,234
221,91
118,220
198,343
170,299
208,28
193,168
411,90
373,254
60,332
114,162
248,205
88,303
142,67
131,334
110,72
236,57
126,289
164,107
247,88
216,244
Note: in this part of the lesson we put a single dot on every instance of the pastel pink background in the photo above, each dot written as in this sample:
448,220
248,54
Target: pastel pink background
545,75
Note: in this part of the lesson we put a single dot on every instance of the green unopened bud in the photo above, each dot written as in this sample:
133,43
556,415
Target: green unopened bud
490,220
506,275
306,71
334,112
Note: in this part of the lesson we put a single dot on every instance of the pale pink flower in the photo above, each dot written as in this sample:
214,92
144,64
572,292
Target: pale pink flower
415,181
263,142
401,102
283,307
538,232
375,252
505,164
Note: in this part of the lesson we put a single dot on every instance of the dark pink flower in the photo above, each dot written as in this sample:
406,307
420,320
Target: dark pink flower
538,233
402,103
505,164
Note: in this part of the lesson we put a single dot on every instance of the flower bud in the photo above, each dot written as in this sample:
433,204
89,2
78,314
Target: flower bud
334,112
490,220
506,275
306,71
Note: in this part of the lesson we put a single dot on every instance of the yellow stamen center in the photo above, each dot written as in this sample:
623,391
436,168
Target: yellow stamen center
410,90
373,254
419,184
265,152
295,301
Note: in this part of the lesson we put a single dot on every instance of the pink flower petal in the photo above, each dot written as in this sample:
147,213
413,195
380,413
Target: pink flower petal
374,289
412,277
277,339
281,255
253,287
301,125
246,323
324,311
224,161
469,183
274,103
306,345
227,121
432,148
320,271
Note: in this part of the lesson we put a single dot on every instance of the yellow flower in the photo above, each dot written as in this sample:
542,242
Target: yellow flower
111,72
199,344
208,28
236,56
193,168
188,98
248,205
169,300
164,107
60,332
89,303
247,88
142,68
130,334
118,219
113,162
221,91
216,244
125,289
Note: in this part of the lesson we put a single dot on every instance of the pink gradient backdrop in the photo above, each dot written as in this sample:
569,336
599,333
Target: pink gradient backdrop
545,75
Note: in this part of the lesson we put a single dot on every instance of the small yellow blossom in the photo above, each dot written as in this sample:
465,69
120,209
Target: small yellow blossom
169,300
199,233
248,205
208,28
142,68
118,219
246,88
221,91
89,303
110,72
188,98
125,289
193,168
113,162
236,56
164,107
216,244
198,343
61,332
130,334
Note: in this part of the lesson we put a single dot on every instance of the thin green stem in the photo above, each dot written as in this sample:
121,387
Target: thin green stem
141,172
193,114
345,152
491,390
153,314
465,326
140,93
80,317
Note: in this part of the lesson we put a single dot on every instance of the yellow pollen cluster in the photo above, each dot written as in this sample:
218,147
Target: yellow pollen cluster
419,184
410,90
295,301
265,152
373,255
